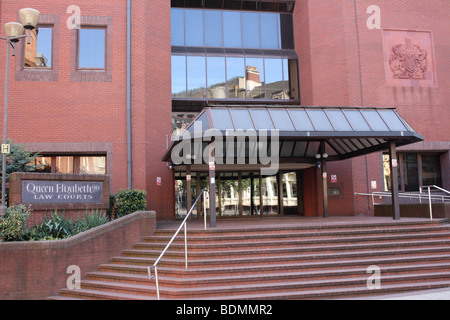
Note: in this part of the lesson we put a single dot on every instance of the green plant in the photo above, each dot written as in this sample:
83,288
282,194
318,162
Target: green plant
54,227
90,220
128,201
13,225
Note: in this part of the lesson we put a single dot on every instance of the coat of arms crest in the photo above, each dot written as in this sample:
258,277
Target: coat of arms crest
408,61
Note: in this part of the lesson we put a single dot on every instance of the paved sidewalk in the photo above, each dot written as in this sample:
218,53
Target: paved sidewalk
439,294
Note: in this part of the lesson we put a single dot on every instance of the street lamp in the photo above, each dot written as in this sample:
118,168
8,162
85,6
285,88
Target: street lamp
29,19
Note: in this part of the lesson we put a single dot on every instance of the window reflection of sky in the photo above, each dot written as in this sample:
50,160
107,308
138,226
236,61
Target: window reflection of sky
44,44
91,50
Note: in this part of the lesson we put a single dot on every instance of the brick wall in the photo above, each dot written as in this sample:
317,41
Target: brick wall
35,270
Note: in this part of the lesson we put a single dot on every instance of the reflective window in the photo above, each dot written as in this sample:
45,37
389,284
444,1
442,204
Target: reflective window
274,79
213,28
92,165
232,29
301,120
91,48
339,121
375,120
269,30
254,78
392,120
357,120
216,77
235,78
64,165
194,27
178,76
177,27
38,54
196,77
250,30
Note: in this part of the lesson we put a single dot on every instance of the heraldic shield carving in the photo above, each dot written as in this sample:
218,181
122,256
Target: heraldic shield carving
408,61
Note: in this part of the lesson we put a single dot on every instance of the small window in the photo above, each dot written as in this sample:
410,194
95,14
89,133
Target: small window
38,54
91,48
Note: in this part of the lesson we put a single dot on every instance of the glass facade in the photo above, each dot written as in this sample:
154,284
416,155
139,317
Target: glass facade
232,55
231,29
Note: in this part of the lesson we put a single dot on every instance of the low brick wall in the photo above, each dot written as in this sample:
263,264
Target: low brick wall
36,270
422,210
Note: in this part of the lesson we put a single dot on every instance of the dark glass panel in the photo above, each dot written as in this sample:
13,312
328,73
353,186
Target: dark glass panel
431,170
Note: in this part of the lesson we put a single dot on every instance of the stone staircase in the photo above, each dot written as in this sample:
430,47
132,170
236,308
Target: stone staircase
328,261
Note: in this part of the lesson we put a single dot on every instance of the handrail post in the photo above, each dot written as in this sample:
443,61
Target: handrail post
185,247
204,208
429,201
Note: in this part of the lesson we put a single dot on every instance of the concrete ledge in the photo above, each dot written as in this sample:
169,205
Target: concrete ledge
38,269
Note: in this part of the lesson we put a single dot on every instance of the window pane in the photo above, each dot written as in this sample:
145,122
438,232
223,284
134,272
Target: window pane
282,120
91,48
213,28
232,29
375,120
235,78
44,164
392,120
194,28
254,78
274,78
431,170
320,120
64,165
242,119
177,25
357,120
410,172
38,53
222,119
339,121
93,165
181,120
196,73
269,31
216,77
262,119
178,76
250,29
301,120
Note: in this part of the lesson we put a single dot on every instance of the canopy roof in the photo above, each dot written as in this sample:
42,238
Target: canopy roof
346,131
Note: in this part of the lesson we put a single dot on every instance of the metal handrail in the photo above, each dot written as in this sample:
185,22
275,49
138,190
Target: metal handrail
429,196
155,265
412,196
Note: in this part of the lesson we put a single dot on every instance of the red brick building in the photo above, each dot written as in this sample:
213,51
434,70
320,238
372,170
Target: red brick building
94,107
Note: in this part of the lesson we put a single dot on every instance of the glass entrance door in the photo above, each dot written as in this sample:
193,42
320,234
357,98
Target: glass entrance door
243,194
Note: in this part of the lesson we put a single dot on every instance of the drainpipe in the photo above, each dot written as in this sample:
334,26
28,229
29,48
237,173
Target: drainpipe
129,141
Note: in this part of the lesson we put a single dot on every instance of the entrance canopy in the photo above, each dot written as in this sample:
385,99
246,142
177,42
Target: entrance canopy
303,133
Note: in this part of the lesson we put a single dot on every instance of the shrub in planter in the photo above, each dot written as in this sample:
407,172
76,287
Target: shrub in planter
90,220
52,228
13,225
128,201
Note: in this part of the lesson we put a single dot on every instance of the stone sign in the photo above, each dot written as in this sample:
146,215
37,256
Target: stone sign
45,192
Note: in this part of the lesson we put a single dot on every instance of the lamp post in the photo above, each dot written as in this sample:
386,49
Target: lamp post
29,19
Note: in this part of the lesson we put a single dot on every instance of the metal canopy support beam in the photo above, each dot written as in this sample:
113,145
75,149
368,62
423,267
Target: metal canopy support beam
212,186
324,179
394,180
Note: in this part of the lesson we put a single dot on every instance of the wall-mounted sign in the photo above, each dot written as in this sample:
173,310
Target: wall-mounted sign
333,178
158,181
52,191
